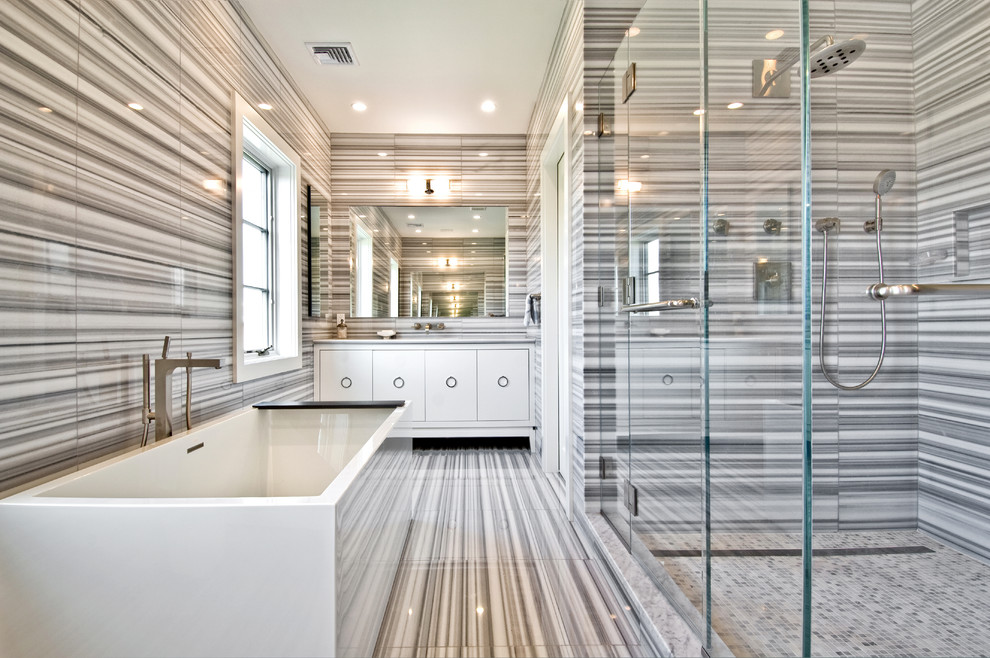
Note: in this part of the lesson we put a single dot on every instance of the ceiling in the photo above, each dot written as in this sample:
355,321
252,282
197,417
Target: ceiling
424,66
448,222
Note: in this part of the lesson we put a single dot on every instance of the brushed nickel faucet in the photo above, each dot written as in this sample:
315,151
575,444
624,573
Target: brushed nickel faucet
164,367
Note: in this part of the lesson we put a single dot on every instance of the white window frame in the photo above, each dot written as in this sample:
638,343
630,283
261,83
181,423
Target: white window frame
252,134
393,288
364,263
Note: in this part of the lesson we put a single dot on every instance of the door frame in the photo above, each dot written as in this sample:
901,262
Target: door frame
555,270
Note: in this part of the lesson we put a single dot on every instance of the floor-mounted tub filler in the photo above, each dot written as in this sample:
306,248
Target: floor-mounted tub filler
275,531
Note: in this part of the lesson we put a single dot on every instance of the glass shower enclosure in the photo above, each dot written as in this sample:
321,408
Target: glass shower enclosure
779,514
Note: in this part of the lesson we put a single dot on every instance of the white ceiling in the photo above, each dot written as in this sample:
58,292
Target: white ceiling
425,66
448,222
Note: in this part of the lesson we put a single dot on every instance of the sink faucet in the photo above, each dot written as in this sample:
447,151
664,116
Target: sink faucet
428,327
162,415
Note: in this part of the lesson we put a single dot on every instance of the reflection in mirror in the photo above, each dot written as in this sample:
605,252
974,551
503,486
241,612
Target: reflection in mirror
428,261
318,214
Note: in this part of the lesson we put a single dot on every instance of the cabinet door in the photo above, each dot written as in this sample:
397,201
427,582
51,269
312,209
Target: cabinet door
345,375
503,385
451,385
398,375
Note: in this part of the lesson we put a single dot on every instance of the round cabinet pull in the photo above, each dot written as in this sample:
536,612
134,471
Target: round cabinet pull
503,381
451,382
398,382
346,382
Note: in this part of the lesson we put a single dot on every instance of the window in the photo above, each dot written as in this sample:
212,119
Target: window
653,271
393,288
267,326
363,266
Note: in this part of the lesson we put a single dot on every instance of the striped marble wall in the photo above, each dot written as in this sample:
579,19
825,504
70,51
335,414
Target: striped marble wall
361,177
110,239
386,246
952,86
862,118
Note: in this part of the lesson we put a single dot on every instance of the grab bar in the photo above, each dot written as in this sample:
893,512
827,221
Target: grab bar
666,305
882,291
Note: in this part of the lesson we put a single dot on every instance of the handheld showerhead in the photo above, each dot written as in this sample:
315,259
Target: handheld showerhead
884,182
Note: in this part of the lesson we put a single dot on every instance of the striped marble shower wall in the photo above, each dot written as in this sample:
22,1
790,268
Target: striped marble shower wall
953,140
862,122
110,240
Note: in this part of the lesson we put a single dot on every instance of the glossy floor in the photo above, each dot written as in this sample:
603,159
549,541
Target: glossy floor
493,568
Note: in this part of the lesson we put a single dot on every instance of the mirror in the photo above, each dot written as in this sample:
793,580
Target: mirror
316,217
415,261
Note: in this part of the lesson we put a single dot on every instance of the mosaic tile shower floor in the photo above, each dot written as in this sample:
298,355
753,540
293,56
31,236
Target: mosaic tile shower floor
870,597
492,567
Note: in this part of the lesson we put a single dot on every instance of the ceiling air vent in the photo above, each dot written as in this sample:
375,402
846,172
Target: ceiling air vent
334,54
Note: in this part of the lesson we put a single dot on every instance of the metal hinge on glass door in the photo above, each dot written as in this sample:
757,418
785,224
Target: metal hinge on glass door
629,82
630,497
629,290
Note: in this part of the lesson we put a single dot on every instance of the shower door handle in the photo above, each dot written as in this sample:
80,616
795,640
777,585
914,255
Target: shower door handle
882,291
666,305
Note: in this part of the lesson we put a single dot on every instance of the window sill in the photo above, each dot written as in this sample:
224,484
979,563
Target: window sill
250,367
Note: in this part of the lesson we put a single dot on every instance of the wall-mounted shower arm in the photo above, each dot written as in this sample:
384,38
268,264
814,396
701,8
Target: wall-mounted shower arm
882,291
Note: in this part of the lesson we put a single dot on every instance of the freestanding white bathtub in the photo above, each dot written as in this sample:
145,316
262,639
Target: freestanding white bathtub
275,531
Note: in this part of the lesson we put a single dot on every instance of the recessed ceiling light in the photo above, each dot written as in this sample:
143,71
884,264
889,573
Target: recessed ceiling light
579,106
476,216
488,106
474,243
135,106
645,156
587,132
375,230
411,216
46,110
264,106
358,106
773,35
633,31
734,106
482,155
362,216
699,112
474,230
419,230
424,244
382,154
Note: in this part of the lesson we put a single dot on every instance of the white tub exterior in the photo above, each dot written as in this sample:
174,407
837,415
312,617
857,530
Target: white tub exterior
280,536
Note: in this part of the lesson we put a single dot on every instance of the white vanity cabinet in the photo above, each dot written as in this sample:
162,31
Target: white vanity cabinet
503,385
344,375
457,388
452,385
398,375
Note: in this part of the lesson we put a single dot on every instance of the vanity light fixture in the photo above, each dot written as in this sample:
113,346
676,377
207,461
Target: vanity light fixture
432,187
446,262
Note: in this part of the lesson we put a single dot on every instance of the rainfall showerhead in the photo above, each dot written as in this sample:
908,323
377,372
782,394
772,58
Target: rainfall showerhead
884,181
833,57
836,57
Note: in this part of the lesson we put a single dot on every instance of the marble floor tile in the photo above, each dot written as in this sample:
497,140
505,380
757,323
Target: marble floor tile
492,567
